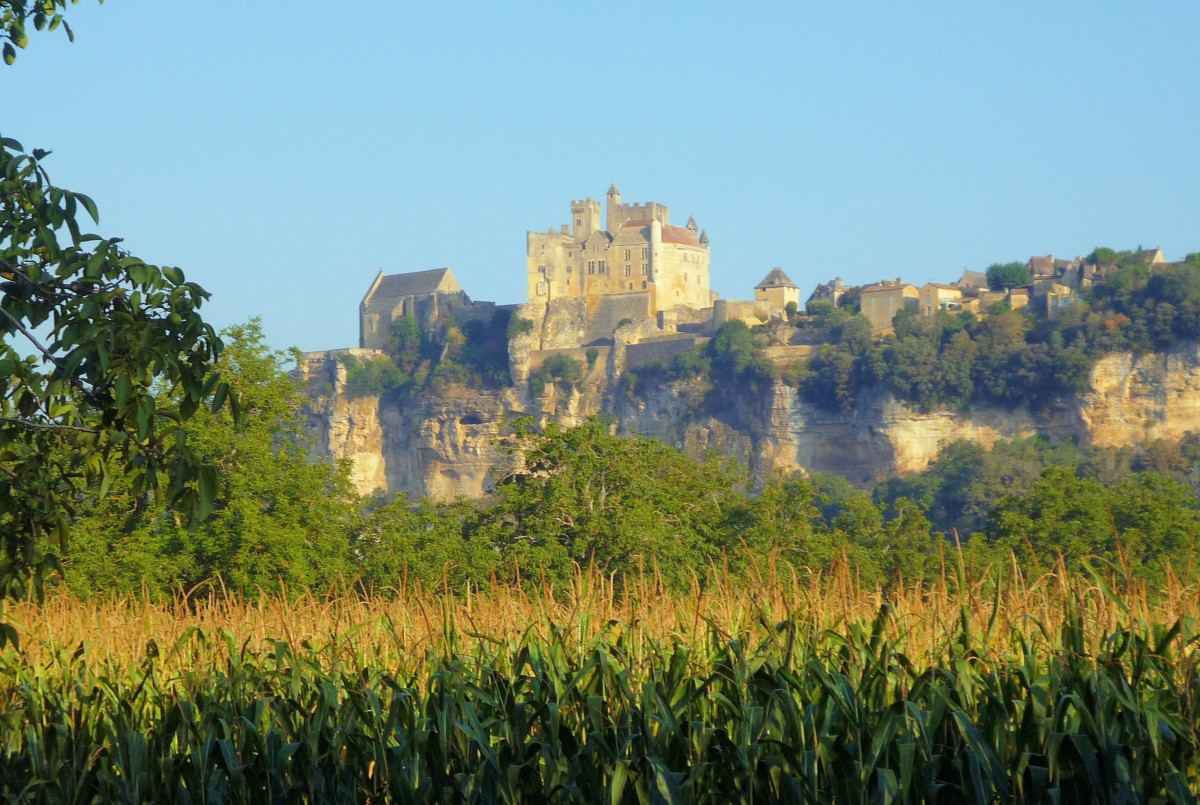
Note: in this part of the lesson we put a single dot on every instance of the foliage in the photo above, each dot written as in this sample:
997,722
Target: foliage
582,495
563,370
518,326
279,521
16,16
1002,276
371,376
110,335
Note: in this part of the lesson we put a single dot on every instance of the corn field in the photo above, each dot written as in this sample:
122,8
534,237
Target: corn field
789,689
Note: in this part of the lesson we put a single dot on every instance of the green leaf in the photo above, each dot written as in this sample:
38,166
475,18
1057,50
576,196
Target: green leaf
174,274
88,205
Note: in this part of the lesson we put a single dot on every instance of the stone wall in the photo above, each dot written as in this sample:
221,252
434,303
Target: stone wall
662,350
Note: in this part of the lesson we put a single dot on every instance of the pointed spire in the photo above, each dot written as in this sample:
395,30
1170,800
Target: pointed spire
704,237
691,224
613,191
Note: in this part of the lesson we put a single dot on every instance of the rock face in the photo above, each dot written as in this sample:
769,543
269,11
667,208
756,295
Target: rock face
444,443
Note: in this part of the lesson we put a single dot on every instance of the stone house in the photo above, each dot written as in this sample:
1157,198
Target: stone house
777,289
831,292
881,302
937,296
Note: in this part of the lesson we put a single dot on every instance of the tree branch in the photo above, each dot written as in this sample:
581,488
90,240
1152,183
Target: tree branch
34,425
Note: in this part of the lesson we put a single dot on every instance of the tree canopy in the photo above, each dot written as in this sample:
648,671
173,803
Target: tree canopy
90,338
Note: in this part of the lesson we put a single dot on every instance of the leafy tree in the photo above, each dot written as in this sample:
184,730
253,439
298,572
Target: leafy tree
426,543
16,16
581,495
279,520
1002,276
92,338
782,520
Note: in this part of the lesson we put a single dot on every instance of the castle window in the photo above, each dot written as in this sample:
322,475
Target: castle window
627,254
643,283
645,269
541,289
645,253
591,266
628,271
630,284
568,269
601,266
541,269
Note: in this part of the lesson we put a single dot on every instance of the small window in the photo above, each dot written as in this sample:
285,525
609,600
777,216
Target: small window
643,283
591,266
645,270
645,253
541,289
601,266
627,254
628,271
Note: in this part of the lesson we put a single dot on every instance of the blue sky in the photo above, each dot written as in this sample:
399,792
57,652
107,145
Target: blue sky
282,154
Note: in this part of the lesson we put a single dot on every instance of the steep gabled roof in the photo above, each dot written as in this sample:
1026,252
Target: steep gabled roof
776,279
677,234
415,283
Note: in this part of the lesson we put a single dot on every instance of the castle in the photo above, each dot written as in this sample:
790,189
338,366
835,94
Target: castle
638,253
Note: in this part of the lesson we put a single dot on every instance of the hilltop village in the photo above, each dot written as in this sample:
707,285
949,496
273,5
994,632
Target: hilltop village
621,322
636,282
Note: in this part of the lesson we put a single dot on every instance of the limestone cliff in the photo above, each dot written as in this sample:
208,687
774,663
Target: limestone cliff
443,443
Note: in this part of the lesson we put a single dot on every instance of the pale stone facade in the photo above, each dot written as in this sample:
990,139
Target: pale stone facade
424,295
880,303
777,289
936,296
639,252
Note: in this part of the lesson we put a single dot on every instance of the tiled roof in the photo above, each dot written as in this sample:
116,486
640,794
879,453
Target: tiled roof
776,279
395,286
677,234
895,286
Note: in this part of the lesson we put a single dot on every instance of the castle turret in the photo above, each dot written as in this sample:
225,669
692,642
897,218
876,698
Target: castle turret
691,225
585,216
704,237
614,204
655,248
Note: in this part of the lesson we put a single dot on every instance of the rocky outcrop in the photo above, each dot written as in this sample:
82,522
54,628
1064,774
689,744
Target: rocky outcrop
445,442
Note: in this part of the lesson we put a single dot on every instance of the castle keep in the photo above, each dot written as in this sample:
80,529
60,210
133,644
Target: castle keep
637,253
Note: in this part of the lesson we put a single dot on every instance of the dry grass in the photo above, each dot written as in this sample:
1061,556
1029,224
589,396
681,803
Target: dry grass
401,628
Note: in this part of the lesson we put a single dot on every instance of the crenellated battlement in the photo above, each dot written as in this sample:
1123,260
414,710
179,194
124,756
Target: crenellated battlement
667,265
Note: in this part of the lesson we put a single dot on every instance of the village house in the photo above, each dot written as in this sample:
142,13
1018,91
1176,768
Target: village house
937,296
831,292
881,302
778,290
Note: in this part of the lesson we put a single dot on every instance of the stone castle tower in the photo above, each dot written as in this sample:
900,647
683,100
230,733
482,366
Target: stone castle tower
637,252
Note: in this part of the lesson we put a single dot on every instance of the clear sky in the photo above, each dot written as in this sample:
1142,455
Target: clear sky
283,153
